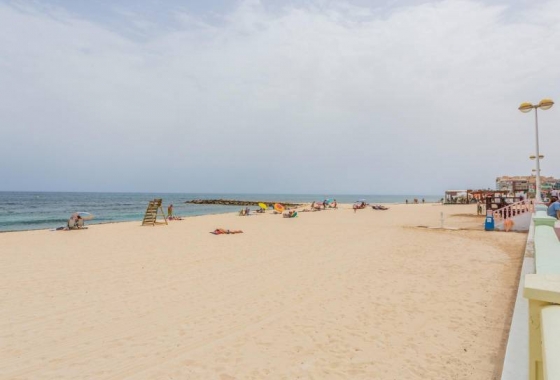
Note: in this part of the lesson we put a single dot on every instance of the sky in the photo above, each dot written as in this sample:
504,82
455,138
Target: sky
315,96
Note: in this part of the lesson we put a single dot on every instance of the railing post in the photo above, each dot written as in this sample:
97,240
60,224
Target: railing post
541,290
535,340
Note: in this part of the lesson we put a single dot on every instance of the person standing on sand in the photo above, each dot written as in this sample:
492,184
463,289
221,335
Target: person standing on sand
406,201
479,208
170,210
508,224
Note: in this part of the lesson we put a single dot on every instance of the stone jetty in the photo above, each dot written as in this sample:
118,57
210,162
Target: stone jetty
233,202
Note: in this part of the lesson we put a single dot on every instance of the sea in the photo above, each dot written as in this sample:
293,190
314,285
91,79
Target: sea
20,211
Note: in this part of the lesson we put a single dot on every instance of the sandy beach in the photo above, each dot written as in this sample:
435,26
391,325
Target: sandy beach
327,295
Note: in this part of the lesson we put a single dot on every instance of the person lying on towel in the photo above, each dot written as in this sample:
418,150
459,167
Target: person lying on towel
220,231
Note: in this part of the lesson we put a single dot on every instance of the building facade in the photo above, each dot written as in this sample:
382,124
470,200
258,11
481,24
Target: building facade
526,184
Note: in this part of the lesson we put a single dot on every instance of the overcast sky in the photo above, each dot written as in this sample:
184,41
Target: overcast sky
269,96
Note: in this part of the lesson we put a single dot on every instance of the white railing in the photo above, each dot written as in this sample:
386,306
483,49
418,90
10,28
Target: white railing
514,209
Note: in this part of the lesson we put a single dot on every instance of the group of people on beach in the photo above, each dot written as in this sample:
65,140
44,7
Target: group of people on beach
362,205
359,205
415,201
245,212
75,222
170,215
316,206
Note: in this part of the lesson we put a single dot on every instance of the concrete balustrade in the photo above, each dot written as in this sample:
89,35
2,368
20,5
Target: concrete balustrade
543,292
547,250
542,289
541,218
533,348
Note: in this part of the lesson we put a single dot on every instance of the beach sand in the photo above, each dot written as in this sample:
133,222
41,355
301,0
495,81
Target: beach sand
327,295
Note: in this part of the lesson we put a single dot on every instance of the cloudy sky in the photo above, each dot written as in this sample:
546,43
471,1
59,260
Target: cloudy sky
315,96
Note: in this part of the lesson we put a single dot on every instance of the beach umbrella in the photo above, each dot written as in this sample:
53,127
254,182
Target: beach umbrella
263,206
84,215
279,207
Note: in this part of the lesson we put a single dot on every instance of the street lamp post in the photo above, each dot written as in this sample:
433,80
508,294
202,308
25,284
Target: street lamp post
534,171
527,107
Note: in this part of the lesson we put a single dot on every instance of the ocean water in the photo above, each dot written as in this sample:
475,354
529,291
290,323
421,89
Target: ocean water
45,210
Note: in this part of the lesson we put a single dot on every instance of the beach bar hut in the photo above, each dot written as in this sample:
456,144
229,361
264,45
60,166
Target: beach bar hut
455,196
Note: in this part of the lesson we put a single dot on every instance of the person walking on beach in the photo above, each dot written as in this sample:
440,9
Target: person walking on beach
170,211
479,208
406,201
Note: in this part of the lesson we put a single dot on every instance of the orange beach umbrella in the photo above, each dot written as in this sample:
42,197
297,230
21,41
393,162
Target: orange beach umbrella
278,207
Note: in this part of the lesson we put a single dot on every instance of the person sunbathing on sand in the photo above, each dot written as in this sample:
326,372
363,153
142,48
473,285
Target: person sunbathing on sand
220,231
174,218
379,207
291,214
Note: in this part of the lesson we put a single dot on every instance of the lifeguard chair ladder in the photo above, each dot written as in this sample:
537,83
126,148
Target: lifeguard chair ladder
150,217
